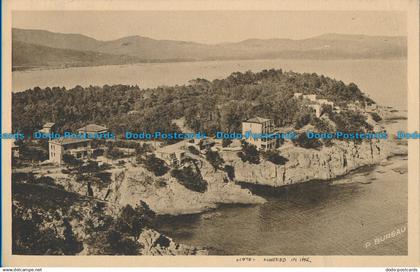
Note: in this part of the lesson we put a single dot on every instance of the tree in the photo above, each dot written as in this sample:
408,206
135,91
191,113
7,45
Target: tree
153,164
193,150
230,171
133,220
326,109
71,160
274,157
226,142
32,236
73,246
33,152
206,106
303,141
376,117
114,153
118,236
303,118
350,121
249,153
213,157
190,179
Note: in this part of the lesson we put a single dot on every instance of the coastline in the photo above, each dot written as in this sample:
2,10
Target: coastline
131,184
43,68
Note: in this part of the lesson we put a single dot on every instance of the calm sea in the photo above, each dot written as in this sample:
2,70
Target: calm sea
338,218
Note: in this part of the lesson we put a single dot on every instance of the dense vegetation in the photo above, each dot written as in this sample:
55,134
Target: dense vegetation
207,106
190,177
153,164
213,157
274,157
249,153
66,223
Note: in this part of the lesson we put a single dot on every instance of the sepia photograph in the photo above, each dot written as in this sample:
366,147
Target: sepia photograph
240,133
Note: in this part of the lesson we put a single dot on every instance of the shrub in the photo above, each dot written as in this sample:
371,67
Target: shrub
160,183
350,121
327,109
133,220
376,117
303,141
34,235
105,177
249,153
154,165
274,157
65,171
230,171
303,117
226,142
114,153
97,152
23,177
119,236
45,180
89,167
190,179
71,160
193,150
321,125
33,152
214,159
119,244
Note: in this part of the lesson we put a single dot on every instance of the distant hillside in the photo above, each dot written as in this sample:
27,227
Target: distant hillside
26,55
143,49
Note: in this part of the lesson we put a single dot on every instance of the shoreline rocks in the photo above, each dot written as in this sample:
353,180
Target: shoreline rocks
157,244
309,164
130,186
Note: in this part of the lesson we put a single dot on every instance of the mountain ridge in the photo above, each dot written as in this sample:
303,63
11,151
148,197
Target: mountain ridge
138,48
328,34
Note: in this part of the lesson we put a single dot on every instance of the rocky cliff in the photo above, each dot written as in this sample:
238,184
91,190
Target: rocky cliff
165,195
310,164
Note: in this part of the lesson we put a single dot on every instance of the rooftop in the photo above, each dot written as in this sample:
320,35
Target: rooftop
258,120
67,141
93,128
172,148
48,125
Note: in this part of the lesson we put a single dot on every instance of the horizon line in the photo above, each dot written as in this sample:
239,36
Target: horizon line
225,42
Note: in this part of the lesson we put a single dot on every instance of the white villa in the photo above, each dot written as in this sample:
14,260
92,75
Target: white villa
79,148
325,102
15,150
93,129
258,125
311,97
47,128
172,154
317,108
314,103
297,95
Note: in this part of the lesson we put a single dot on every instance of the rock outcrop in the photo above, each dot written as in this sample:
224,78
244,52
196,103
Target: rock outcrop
165,195
156,244
309,164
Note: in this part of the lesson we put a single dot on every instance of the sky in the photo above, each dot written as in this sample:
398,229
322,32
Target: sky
213,26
